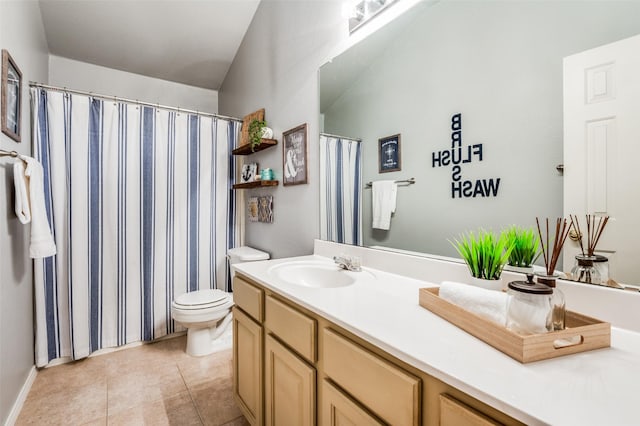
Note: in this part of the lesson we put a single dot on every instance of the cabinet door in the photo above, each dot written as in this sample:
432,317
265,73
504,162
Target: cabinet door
247,366
339,410
290,395
455,413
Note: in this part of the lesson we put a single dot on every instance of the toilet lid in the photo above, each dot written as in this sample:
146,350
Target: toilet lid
200,298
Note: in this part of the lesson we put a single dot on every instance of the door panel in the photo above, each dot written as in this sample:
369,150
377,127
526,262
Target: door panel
601,148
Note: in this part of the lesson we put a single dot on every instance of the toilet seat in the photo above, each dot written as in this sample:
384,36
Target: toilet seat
201,299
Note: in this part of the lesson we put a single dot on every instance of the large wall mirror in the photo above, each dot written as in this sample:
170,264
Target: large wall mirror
498,67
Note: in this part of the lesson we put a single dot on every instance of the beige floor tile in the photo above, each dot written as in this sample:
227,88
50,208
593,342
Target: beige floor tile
176,410
199,370
150,382
215,403
141,385
75,405
102,421
133,360
68,376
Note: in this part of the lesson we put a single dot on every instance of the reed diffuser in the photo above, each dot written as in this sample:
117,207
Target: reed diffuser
551,254
594,232
585,269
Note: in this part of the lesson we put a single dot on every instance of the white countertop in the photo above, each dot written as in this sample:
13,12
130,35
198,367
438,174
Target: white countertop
600,387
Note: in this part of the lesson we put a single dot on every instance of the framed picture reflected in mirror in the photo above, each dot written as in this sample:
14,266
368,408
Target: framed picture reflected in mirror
389,154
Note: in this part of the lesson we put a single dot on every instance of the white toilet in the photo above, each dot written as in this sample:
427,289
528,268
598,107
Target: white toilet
206,314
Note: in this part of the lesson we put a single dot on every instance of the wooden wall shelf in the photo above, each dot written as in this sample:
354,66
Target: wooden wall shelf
256,184
246,148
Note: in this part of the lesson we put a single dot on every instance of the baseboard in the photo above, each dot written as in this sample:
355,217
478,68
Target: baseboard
22,397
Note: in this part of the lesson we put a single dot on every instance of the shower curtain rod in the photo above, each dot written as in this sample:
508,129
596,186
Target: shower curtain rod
131,101
340,137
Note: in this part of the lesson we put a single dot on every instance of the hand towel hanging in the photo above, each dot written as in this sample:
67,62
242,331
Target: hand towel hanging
30,207
383,203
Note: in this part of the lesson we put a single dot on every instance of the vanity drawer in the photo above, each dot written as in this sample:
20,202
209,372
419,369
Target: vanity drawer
292,327
454,413
339,409
249,297
388,391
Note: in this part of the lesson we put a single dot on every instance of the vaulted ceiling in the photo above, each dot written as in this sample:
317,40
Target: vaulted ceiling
186,41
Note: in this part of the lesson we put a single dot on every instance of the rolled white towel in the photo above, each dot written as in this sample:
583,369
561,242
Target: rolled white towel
489,304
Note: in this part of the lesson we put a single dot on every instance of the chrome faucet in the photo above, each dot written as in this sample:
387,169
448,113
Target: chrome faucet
349,263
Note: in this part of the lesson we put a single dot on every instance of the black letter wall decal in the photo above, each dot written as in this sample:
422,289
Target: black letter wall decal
459,155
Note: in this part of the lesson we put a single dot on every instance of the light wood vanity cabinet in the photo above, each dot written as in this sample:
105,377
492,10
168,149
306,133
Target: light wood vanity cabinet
339,409
248,351
290,387
454,413
305,370
388,391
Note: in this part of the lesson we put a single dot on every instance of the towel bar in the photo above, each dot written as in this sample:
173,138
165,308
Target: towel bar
409,181
4,153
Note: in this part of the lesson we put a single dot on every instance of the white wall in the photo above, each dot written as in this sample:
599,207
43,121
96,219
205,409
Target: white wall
77,75
276,68
22,34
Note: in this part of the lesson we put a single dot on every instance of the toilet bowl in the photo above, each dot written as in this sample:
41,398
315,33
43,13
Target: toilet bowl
206,314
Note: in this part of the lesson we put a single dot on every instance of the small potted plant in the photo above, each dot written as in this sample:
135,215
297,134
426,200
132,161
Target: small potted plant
485,253
257,130
525,249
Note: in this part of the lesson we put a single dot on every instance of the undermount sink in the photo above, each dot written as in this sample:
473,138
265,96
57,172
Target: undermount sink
316,274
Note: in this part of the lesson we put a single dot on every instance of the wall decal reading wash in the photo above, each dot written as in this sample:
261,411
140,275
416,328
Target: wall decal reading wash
459,155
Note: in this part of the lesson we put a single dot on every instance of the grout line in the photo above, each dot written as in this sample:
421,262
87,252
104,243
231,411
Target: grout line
193,401
107,408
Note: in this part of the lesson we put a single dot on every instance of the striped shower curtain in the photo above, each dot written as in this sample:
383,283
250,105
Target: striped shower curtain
142,211
340,190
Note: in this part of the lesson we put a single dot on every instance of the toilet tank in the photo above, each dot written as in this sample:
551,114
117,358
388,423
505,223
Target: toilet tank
246,254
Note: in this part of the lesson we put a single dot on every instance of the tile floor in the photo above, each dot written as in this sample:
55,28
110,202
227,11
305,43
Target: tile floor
153,384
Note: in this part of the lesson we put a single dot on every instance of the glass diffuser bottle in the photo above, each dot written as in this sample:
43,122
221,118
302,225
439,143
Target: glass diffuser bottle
585,270
558,310
551,250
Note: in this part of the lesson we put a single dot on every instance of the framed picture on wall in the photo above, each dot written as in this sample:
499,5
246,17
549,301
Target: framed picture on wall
252,209
294,156
249,172
389,154
11,100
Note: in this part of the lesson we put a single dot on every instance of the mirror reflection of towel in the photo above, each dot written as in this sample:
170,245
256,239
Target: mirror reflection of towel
383,203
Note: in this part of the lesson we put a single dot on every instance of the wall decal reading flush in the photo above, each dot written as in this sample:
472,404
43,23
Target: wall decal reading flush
457,156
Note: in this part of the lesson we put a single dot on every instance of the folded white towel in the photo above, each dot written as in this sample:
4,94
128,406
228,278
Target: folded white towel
383,199
489,304
29,184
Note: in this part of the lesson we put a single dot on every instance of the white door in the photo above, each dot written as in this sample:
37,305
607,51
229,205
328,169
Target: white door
602,150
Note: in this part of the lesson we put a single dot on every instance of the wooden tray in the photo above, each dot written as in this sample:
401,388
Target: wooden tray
582,334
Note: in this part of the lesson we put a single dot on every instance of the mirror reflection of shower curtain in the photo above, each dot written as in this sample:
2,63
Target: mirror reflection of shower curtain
340,190
142,211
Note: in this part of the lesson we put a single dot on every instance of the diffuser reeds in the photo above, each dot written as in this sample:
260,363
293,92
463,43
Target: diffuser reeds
551,254
595,227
